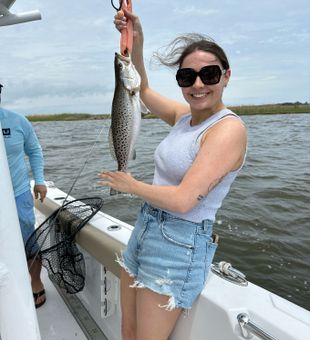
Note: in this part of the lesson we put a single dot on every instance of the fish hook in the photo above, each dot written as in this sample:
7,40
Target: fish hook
120,5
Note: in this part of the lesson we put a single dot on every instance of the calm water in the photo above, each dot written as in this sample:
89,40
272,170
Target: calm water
263,223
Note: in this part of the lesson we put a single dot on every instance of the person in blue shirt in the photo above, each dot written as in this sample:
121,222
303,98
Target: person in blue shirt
20,140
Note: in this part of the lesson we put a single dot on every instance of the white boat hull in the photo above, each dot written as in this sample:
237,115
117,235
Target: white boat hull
213,316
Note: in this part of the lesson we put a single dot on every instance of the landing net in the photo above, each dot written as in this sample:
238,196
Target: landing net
53,243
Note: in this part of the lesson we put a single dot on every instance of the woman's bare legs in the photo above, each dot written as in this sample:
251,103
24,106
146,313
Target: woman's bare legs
154,322
128,304
142,318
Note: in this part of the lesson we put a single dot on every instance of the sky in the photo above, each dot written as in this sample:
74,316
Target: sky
64,62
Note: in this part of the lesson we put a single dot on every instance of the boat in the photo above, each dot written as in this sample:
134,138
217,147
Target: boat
228,308
17,313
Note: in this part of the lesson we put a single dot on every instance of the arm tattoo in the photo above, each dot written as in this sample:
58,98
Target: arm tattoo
215,183
211,187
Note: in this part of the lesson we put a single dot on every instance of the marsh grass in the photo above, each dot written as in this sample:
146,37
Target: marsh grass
284,108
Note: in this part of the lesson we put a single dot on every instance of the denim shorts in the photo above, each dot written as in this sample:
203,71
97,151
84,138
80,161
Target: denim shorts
169,255
24,205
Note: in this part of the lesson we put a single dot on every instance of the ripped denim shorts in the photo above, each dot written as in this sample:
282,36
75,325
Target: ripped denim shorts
169,255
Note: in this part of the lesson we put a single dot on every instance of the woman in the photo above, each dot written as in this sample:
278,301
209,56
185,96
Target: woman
169,254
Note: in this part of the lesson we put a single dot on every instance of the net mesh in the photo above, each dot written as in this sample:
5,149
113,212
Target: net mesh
53,243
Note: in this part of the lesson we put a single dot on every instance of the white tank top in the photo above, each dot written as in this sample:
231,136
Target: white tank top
176,153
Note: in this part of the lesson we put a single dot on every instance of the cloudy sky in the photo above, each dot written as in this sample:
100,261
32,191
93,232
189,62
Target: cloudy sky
64,63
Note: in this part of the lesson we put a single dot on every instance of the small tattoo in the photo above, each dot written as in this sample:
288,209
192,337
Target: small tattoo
215,183
200,197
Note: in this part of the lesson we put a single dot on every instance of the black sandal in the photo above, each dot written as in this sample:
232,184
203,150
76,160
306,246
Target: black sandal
36,296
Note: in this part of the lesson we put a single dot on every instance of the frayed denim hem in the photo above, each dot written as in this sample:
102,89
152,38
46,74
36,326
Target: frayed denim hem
170,306
120,261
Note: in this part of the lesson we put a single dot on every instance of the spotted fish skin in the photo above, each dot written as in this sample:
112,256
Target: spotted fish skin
126,111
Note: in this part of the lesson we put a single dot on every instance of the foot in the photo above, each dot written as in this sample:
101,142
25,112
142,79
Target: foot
39,298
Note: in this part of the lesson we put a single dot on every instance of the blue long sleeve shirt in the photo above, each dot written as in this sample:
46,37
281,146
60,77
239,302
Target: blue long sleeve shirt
20,140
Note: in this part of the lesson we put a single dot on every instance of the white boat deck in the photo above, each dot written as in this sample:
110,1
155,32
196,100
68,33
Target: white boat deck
56,321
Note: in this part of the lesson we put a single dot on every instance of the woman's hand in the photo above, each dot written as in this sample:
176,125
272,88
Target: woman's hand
118,180
120,21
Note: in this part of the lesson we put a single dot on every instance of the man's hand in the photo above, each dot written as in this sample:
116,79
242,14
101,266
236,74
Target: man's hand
40,191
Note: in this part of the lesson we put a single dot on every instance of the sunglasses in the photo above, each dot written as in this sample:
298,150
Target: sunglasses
209,75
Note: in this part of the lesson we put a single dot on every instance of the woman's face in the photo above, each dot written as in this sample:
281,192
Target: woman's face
203,97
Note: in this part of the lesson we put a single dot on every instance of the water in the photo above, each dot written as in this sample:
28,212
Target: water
263,223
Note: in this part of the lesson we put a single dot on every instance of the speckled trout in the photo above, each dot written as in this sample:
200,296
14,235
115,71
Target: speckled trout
126,112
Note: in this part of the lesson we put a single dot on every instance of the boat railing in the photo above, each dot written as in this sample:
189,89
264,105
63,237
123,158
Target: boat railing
249,328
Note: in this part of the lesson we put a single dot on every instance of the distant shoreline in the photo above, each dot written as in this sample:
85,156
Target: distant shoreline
283,108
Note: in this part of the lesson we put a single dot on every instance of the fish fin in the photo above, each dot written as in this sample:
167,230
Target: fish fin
133,155
143,108
124,194
112,151
113,192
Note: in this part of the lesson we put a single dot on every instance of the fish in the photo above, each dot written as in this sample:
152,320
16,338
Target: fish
125,113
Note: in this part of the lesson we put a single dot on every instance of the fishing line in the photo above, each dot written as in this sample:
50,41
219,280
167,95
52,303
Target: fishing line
68,194
120,5
83,167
